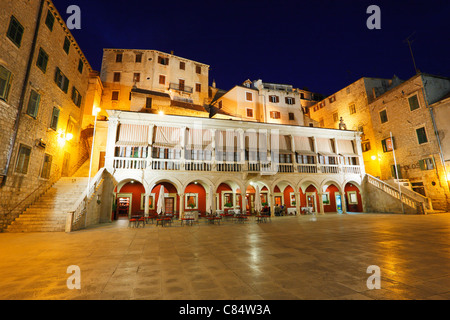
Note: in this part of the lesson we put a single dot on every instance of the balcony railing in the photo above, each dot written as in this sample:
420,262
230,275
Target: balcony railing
225,166
180,87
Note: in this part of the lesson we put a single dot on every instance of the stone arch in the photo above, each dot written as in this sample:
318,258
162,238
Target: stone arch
328,182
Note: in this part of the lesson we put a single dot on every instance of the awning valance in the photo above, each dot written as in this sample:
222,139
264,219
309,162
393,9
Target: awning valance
199,139
167,137
256,141
303,145
133,135
280,143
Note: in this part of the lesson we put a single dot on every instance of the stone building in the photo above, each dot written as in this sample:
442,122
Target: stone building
265,102
153,81
43,83
405,112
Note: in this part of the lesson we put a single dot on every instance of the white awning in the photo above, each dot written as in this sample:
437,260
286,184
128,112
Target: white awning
132,135
255,141
167,137
325,146
227,140
346,148
280,143
199,139
303,145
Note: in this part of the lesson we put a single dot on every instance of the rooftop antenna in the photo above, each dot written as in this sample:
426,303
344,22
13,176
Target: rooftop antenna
410,50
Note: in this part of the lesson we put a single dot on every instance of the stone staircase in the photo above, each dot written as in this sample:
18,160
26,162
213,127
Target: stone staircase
49,212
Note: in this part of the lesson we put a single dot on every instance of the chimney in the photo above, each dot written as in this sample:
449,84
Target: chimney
171,52
214,83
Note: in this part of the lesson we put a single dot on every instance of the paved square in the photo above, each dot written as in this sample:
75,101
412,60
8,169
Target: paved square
289,258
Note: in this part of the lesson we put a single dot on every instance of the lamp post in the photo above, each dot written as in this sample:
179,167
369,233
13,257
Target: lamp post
95,112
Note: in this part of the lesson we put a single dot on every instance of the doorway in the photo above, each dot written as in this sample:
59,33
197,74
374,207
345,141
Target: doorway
311,201
65,165
338,203
169,205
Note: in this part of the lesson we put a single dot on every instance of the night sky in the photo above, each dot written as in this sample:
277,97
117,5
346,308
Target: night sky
321,45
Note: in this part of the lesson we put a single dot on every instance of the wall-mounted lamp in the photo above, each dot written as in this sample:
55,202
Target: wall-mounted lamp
98,199
63,137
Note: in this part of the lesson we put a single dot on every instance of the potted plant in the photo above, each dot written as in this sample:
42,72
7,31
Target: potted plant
191,205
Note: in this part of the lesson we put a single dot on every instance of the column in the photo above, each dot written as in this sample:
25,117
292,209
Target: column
181,195
213,151
317,155
344,202
183,147
150,142
243,203
320,203
113,124
146,204
271,203
294,157
297,202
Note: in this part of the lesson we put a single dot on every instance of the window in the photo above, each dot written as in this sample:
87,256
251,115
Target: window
136,77
274,99
249,113
335,117
198,87
198,69
66,45
427,164
148,103
275,114
15,31
80,66
33,104
61,80
162,79
76,97
352,108
322,104
163,61
182,65
46,166
23,159
421,135
42,60
291,116
352,197
138,58
116,77
50,20
248,96
396,172
119,57
70,126
332,99
290,100
220,104
321,123
413,103
365,146
115,95
383,116
54,119
388,144
5,82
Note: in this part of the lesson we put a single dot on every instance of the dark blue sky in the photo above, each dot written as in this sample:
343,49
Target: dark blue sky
321,45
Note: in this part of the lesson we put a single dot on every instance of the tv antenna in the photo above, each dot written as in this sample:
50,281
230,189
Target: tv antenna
410,50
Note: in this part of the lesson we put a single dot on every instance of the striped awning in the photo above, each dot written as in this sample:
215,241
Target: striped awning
167,137
345,147
132,135
325,146
199,139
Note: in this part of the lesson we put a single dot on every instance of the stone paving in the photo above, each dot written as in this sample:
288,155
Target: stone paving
289,258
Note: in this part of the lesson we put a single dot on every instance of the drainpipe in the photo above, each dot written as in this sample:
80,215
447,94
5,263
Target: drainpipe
22,95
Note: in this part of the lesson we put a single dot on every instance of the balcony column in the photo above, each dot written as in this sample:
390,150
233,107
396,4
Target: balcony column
294,157
297,203
183,148
113,124
151,129
213,150
242,148
336,149
317,155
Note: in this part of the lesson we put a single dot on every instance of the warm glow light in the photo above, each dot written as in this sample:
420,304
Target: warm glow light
96,110
69,136
161,113
373,157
